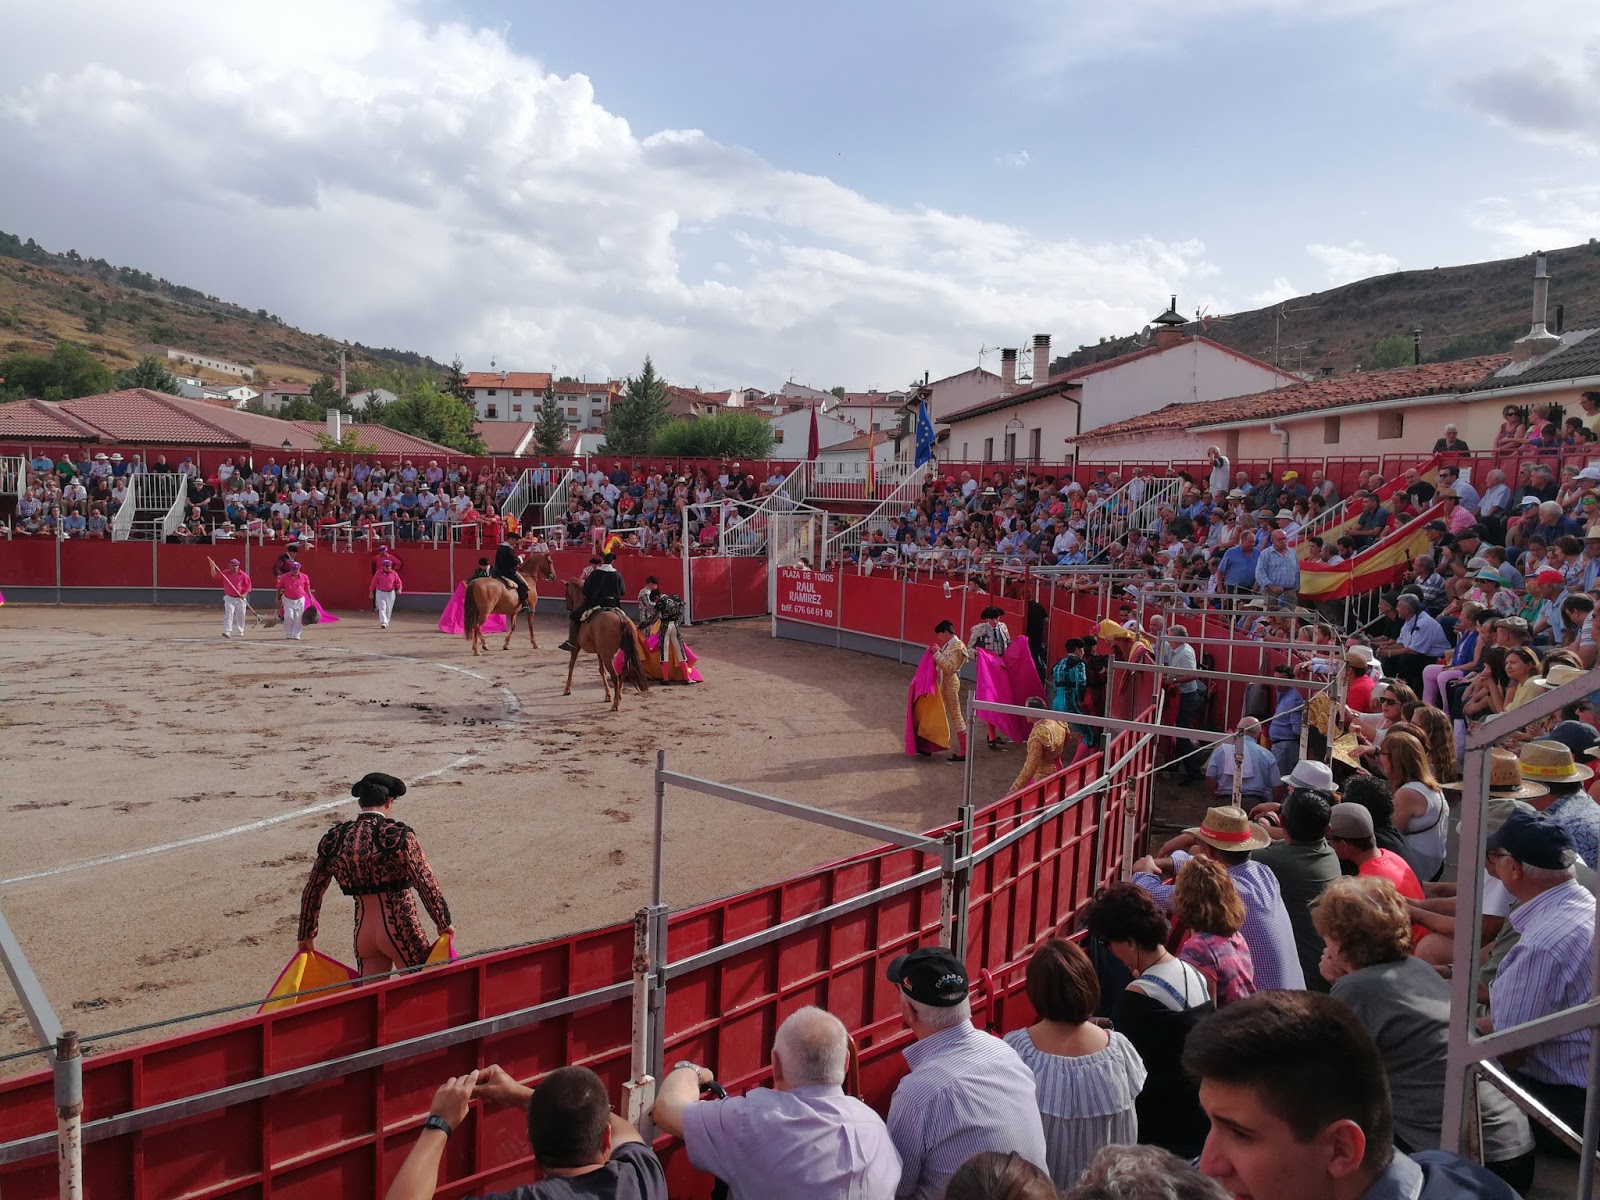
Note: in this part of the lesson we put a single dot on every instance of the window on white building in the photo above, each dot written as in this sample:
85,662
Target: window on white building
516,408
491,413
1391,425
517,392
1035,437
1011,446
489,392
1330,431
988,449
777,437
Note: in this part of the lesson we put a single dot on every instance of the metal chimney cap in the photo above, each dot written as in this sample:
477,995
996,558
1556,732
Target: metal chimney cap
1172,316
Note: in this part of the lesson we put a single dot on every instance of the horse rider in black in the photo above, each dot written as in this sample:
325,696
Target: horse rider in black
603,589
506,563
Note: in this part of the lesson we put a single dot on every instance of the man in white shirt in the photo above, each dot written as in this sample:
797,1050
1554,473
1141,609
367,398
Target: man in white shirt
801,1138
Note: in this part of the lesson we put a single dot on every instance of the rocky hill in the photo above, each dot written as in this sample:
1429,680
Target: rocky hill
1478,308
45,297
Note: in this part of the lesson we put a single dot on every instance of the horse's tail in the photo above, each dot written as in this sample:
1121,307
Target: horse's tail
632,668
472,619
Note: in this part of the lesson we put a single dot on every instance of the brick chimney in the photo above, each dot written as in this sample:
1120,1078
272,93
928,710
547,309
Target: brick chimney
1041,359
1008,372
1169,326
1538,340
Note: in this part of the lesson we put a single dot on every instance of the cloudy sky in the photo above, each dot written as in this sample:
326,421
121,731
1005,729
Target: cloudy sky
841,191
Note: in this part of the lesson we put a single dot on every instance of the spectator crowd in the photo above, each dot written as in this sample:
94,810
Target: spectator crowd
395,500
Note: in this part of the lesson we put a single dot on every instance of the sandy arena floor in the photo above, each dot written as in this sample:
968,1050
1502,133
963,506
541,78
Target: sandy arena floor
164,789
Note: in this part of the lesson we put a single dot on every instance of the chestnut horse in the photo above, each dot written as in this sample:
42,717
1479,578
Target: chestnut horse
488,595
603,635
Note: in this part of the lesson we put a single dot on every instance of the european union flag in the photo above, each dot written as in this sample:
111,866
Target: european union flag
925,435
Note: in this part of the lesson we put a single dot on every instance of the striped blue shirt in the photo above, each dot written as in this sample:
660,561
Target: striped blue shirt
1086,1102
967,1092
1278,569
1267,930
1546,971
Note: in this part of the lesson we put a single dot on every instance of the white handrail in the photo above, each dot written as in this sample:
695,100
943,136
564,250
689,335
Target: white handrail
556,505
848,539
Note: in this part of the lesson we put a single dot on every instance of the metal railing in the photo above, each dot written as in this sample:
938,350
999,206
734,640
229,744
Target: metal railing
149,492
848,539
848,480
1469,1048
1130,507
520,499
13,474
555,505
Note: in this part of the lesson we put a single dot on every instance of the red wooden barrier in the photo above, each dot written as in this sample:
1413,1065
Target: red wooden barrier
103,564
27,562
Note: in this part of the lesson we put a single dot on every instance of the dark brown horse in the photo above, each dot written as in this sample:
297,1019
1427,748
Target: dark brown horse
603,635
487,596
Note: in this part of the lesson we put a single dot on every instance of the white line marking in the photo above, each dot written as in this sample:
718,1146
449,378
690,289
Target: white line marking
216,836
513,709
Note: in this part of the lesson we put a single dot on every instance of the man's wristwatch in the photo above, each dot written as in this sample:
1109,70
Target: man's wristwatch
435,1121
684,1062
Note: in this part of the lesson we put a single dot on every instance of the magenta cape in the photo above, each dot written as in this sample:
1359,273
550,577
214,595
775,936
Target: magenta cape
324,617
1009,678
923,684
454,618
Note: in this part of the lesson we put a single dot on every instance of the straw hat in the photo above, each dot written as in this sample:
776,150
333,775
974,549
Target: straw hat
1345,751
1505,778
1558,674
1229,828
1551,762
1358,656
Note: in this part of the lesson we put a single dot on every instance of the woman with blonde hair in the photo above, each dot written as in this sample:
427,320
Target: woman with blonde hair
1208,907
1419,805
1405,1005
1438,739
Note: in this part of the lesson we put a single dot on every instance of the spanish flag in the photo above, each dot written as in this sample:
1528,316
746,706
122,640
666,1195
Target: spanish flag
1426,472
611,545
1380,565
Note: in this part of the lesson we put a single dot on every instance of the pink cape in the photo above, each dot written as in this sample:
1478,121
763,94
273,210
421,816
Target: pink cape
653,642
324,617
454,618
924,683
1009,678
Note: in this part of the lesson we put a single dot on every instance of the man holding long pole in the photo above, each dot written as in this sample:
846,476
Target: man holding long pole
235,590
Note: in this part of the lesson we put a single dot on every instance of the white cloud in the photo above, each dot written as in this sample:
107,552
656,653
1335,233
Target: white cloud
1018,158
1280,291
1544,219
1352,261
365,172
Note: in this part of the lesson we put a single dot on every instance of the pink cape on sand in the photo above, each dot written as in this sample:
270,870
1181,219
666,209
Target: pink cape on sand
324,617
925,719
454,618
652,662
1009,678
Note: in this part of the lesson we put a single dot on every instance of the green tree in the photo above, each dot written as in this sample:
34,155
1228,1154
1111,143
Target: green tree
551,431
729,434
454,382
1392,351
69,371
325,394
150,372
638,414
349,442
429,413
838,391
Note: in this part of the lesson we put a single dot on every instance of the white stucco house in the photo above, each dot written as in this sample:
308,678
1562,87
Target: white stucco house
1035,424
791,433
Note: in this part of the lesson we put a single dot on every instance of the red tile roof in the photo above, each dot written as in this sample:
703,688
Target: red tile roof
387,441
529,380
503,437
37,420
1339,391
860,442
1055,383
288,389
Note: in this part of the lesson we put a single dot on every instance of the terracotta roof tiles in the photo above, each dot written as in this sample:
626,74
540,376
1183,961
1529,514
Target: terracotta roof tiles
1339,391
528,380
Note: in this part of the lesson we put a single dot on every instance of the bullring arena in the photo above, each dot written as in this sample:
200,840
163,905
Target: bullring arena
166,788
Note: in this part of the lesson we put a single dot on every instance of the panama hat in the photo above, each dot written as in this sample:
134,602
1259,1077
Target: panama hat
1309,773
1490,575
1505,779
1559,674
1229,828
1358,656
1551,762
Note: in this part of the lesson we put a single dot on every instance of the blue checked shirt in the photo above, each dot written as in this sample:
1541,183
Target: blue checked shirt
1421,634
1546,971
1278,570
967,1092
1266,921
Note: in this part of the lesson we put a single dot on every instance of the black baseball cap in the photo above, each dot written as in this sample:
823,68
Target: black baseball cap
1577,736
1531,838
930,975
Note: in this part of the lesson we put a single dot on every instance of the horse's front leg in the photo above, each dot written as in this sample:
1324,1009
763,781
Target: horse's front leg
511,628
572,665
